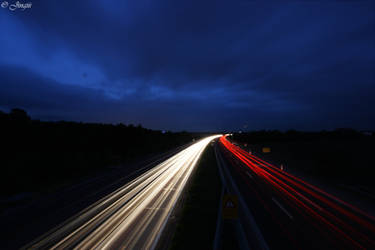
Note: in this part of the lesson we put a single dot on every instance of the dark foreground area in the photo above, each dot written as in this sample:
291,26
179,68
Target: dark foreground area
196,224
38,155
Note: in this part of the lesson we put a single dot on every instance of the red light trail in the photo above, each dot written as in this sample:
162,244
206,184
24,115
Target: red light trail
344,221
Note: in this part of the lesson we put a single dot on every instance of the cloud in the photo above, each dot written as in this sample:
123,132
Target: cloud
301,65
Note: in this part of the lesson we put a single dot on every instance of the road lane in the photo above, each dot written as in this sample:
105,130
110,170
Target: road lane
134,215
305,216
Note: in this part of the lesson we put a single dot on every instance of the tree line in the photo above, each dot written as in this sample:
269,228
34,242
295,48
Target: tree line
37,153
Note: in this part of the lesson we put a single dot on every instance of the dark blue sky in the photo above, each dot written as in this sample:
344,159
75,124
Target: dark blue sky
192,65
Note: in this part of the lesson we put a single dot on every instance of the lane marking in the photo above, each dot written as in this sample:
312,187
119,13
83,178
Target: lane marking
228,182
309,201
282,208
248,174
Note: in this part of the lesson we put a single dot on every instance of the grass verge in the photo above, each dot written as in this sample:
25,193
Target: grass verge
196,224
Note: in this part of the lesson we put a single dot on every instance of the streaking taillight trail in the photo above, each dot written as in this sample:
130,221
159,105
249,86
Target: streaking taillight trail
344,220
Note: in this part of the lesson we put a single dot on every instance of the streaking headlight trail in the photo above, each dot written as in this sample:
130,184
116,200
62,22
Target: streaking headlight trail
132,217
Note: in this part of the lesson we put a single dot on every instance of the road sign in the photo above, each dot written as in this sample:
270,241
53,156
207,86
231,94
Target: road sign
266,150
230,207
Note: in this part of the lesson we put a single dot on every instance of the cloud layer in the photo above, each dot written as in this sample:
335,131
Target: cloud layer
196,66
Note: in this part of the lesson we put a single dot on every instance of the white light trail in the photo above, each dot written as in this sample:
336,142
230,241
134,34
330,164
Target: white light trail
133,216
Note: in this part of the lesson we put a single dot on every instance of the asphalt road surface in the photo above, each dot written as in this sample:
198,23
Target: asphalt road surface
132,217
291,213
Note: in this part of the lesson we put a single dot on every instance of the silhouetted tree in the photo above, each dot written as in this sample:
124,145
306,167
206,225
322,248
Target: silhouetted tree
19,115
39,153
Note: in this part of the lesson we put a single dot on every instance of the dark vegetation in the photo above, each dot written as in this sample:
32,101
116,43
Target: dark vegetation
343,154
36,155
197,223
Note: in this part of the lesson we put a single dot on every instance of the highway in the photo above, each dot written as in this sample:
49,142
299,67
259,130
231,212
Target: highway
132,217
291,213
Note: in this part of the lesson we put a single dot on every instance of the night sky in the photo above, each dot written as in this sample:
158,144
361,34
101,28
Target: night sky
192,65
